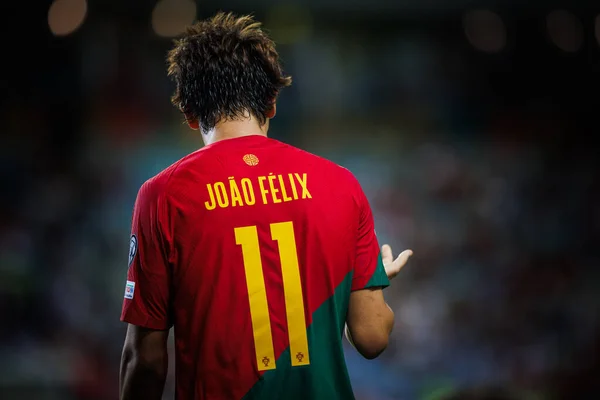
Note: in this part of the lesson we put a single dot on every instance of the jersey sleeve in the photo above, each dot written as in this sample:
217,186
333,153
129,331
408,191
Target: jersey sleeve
147,291
368,266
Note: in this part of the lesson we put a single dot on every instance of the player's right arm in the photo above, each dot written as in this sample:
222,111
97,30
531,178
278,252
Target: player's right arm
370,320
144,363
146,307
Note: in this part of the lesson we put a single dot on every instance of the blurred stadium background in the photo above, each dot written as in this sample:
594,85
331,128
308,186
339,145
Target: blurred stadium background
471,125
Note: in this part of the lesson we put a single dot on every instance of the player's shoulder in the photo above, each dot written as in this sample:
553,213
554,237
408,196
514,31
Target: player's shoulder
196,160
326,167
335,175
159,184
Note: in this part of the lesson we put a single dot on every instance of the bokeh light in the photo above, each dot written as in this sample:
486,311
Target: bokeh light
66,16
170,17
565,30
485,30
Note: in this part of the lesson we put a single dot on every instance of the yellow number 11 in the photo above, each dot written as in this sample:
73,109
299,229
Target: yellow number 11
283,234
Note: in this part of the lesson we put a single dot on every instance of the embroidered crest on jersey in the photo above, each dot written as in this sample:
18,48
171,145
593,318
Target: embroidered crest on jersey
250,159
133,245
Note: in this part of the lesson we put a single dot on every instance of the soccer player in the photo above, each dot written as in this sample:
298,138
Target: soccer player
258,253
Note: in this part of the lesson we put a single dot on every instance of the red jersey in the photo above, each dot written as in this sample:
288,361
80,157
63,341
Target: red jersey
250,248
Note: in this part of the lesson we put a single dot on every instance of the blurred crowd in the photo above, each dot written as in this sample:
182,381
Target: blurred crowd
496,190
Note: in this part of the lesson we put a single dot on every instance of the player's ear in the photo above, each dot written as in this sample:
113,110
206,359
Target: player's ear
192,122
271,111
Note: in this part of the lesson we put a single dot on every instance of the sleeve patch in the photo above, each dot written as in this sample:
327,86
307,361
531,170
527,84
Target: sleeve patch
133,245
129,290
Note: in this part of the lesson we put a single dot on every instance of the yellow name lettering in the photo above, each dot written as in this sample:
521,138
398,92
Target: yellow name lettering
248,191
302,182
236,197
282,186
222,198
274,191
263,191
211,204
293,184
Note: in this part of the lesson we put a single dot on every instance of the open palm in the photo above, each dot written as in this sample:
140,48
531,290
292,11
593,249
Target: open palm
392,267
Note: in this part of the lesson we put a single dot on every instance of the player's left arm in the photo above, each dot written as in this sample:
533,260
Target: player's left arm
370,319
144,363
146,307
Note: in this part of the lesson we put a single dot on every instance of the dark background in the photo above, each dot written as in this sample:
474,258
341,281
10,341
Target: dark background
471,126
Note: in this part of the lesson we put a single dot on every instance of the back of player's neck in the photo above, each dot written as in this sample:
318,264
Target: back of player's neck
234,129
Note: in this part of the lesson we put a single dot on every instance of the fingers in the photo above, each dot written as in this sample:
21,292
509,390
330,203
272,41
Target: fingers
403,258
386,254
393,268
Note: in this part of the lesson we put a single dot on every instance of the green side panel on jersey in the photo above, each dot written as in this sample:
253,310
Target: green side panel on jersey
326,378
379,277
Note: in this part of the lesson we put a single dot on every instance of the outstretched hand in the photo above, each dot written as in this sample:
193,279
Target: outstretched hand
392,267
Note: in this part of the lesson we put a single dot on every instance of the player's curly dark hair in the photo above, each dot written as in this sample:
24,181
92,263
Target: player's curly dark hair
224,68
